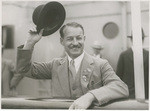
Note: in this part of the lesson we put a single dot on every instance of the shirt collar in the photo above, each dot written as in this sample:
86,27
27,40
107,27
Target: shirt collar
76,60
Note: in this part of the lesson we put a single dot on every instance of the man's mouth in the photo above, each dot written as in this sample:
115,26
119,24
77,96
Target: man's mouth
76,47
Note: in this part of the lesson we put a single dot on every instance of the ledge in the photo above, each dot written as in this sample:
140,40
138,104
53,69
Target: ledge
22,103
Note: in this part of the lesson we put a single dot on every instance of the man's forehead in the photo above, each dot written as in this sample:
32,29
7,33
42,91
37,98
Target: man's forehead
71,28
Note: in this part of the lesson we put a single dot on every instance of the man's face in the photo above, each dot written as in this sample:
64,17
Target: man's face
73,41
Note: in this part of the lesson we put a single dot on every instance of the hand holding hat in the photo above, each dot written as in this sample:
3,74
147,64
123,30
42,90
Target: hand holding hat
48,19
33,38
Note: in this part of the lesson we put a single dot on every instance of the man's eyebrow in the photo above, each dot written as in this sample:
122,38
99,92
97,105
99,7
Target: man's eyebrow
69,37
74,36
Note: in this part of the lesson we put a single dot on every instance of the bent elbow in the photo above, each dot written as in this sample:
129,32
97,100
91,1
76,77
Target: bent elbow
125,91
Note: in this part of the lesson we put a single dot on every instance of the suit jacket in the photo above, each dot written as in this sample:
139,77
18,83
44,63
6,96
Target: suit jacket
125,70
101,80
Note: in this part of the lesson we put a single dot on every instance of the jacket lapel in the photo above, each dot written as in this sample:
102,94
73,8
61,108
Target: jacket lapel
63,76
86,71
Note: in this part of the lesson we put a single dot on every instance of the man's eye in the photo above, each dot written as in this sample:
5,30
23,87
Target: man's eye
79,37
69,39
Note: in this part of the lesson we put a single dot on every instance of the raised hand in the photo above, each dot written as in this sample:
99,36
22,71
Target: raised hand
33,38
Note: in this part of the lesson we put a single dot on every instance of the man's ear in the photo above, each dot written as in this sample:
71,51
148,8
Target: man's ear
61,40
84,38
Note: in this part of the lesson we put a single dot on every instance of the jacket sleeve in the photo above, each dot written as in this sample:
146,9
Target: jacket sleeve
33,70
113,87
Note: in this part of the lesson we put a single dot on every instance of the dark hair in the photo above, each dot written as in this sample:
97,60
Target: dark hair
71,24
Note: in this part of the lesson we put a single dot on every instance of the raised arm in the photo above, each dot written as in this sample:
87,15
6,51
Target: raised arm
24,64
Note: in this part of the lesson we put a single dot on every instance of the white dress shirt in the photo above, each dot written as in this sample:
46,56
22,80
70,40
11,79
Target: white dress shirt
77,61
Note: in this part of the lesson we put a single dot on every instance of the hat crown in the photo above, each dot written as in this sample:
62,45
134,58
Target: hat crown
36,14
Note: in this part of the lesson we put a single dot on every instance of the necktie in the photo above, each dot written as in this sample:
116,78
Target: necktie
72,69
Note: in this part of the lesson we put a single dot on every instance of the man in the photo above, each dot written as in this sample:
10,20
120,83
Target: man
78,76
97,49
125,68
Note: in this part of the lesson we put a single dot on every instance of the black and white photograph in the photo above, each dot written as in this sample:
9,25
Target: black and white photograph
75,55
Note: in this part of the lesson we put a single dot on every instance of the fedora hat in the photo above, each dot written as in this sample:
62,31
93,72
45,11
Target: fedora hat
97,45
49,16
143,35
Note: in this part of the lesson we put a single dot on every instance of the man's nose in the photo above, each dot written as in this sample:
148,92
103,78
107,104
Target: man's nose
75,42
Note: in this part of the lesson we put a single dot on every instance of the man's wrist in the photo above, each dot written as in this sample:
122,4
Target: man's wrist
28,45
91,96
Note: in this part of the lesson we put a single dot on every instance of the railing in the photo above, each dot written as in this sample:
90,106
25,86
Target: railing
22,103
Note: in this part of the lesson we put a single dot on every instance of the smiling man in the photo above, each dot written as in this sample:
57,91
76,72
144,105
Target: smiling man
78,76
72,38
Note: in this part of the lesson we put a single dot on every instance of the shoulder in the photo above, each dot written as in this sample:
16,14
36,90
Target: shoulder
128,51
97,61
100,61
145,51
58,60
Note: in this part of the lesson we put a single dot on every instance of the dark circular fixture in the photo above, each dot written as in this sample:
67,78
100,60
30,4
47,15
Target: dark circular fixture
110,30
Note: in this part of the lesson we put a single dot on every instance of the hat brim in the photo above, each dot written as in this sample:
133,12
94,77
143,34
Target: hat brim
51,18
